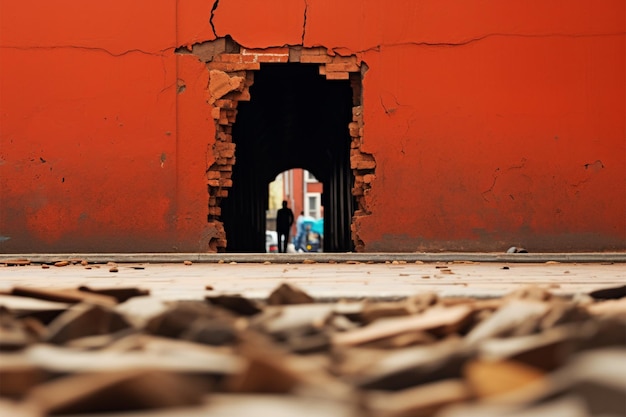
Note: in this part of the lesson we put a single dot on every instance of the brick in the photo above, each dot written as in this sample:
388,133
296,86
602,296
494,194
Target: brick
322,70
266,55
228,66
338,59
230,58
342,66
295,53
244,95
213,175
369,178
314,59
221,84
215,112
226,104
354,129
365,165
337,75
224,137
314,51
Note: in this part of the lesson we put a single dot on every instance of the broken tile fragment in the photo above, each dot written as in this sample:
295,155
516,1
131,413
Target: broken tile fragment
120,294
235,303
83,320
64,295
288,294
423,400
117,391
492,378
440,320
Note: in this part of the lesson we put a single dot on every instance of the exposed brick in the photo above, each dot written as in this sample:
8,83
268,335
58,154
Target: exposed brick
337,75
266,55
368,178
342,66
314,59
229,66
244,95
354,129
295,53
232,58
224,137
221,84
213,175
314,51
338,59
215,112
322,70
225,104
206,51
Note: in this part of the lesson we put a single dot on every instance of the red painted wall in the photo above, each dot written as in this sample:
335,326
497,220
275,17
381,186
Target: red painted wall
492,123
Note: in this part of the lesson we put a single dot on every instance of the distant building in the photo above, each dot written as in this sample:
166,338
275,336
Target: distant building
302,191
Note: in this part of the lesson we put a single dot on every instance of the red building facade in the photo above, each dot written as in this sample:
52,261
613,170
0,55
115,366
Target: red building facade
434,126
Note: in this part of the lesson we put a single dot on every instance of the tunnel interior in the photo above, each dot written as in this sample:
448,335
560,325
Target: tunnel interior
294,119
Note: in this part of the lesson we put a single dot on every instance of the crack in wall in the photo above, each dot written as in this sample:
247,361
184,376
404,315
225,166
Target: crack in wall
306,9
161,53
213,10
378,48
496,174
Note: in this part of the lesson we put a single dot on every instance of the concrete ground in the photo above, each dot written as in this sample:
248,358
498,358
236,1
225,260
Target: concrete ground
324,276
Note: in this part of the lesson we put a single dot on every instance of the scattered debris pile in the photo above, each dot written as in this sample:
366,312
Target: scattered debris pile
119,350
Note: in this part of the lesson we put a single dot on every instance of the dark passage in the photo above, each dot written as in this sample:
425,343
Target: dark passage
295,119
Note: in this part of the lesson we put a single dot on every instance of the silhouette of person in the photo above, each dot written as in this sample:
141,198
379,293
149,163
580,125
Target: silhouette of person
284,220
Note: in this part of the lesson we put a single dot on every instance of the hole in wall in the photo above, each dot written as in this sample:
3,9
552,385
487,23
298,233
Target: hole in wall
308,115
295,119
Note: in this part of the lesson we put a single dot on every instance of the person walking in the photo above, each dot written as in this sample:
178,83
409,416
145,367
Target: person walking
299,232
284,221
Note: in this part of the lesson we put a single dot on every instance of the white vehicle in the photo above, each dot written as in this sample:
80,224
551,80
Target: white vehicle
271,241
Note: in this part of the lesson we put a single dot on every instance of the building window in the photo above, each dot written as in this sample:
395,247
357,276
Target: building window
313,203
308,177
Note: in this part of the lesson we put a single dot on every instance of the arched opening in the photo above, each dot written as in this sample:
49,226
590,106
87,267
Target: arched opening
296,118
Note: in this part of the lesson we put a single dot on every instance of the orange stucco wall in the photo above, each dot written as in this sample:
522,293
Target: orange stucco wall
492,123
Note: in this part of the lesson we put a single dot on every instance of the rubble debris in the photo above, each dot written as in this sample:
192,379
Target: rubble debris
112,350
288,294
16,262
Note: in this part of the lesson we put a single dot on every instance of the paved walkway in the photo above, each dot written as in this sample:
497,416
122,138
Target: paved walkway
330,281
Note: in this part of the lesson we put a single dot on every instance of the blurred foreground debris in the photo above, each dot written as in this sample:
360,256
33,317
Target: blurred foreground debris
119,351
